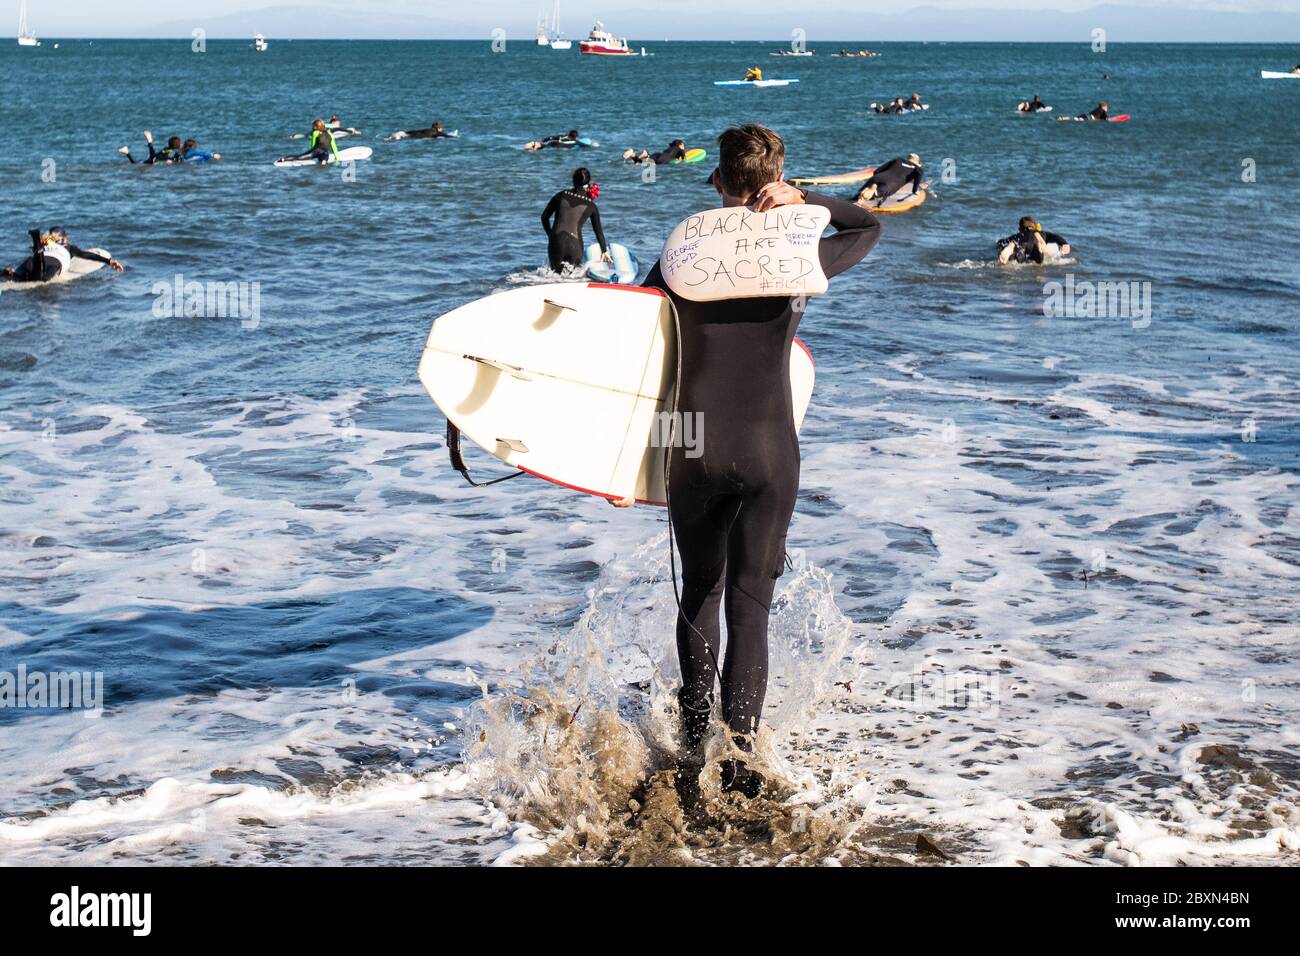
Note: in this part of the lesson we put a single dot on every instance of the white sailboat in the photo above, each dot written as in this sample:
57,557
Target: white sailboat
542,38
558,42
25,35
260,44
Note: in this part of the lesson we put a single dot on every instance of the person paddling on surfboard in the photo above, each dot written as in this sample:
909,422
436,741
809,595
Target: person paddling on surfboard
434,131
321,148
731,494
559,141
1030,243
191,153
51,255
676,151
1032,106
891,177
570,208
171,153
1100,112
753,74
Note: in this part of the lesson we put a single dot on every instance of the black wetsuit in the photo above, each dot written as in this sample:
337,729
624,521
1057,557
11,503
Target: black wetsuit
669,155
1034,105
571,209
1026,248
1096,114
38,267
429,133
731,505
322,147
893,176
168,154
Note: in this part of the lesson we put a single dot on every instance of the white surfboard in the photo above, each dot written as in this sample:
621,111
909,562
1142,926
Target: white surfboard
78,268
622,270
351,154
736,84
568,382
1274,75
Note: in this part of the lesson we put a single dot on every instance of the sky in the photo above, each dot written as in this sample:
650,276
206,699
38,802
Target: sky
647,20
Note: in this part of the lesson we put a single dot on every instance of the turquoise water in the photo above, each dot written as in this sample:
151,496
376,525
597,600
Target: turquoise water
232,520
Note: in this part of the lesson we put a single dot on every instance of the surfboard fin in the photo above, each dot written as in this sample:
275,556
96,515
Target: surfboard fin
458,460
514,444
514,371
559,305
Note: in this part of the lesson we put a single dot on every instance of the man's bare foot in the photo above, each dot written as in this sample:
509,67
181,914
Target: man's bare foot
622,502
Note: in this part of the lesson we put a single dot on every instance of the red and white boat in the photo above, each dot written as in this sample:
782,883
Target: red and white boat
603,43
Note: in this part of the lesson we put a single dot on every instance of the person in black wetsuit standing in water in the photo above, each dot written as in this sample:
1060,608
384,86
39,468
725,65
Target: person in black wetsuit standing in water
731,499
570,208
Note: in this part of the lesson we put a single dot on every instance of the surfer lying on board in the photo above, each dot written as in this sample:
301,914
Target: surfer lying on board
171,153
1099,113
436,131
676,150
1030,243
322,147
731,497
191,153
753,74
559,141
570,208
893,176
1032,106
51,254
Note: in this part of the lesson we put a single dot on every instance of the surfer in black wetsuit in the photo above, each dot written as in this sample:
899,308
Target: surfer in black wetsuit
1032,106
891,177
436,131
676,151
322,147
731,499
558,141
1030,243
1100,112
570,208
51,255
173,152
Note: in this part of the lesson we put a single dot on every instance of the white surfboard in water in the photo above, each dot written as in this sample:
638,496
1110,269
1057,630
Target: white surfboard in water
78,268
351,154
1274,75
569,382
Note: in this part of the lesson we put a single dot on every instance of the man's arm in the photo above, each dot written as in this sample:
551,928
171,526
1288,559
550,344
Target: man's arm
595,225
856,233
552,209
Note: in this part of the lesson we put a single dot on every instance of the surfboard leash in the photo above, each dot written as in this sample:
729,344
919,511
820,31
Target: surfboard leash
458,460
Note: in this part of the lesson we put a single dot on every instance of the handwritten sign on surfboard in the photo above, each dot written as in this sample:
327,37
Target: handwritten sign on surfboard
736,253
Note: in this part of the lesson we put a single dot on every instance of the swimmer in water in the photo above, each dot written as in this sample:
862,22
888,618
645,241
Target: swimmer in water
1030,244
675,152
559,141
51,256
435,131
891,177
173,152
322,147
563,219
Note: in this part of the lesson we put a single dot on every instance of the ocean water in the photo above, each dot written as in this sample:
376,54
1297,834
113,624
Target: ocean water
1042,605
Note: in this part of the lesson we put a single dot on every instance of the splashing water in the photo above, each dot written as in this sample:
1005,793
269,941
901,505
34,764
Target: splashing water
579,746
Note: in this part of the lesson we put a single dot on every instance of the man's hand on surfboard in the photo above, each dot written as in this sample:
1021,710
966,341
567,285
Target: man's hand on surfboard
777,194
